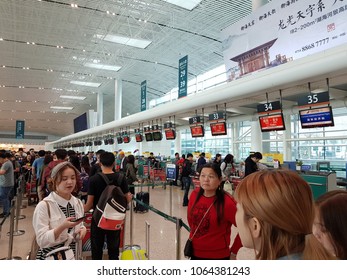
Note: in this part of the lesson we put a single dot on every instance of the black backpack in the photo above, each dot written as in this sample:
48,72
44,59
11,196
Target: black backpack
110,211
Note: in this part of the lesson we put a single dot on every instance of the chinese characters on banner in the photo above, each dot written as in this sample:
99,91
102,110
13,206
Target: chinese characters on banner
20,129
143,95
282,31
182,76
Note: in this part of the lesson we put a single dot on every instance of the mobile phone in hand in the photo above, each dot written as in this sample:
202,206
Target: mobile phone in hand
78,219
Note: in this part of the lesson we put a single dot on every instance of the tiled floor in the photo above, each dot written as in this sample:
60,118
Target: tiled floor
162,246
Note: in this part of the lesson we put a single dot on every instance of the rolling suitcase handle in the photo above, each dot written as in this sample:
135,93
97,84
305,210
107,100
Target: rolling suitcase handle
147,238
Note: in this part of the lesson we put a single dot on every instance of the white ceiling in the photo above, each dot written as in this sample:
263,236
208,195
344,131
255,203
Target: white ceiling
174,32
64,41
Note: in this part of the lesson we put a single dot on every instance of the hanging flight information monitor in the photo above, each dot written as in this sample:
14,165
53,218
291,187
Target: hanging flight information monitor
272,122
138,135
148,133
126,137
196,126
170,133
197,131
219,128
217,123
318,117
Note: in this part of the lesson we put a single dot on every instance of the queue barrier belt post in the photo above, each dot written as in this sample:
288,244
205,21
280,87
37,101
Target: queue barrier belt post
10,240
178,221
16,231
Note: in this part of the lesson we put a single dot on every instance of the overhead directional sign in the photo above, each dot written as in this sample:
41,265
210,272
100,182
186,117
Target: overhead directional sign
182,76
143,96
20,129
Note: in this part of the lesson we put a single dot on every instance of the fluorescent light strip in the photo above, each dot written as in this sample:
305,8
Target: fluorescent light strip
186,4
132,42
61,108
88,84
73,97
103,66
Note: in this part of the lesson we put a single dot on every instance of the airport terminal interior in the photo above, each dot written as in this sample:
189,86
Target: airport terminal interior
165,77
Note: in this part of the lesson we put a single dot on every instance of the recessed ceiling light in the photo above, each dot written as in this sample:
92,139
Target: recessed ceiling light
103,66
137,43
187,4
73,97
88,84
61,108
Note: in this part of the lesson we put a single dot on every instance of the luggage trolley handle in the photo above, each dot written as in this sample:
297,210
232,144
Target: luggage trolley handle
147,237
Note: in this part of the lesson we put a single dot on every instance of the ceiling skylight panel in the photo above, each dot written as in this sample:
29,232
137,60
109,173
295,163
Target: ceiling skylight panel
123,40
88,84
186,4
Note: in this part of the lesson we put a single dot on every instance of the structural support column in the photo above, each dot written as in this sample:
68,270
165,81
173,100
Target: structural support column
118,93
287,135
256,138
100,108
178,144
256,4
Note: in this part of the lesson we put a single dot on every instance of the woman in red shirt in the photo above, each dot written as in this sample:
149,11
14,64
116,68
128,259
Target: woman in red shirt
211,213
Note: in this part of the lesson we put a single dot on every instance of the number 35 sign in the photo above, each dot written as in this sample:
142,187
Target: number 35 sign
313,99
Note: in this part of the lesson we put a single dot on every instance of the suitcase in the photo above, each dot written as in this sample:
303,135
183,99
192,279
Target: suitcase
31,191
134,252
144,197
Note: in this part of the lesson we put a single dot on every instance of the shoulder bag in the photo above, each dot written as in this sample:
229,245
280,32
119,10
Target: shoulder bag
228,187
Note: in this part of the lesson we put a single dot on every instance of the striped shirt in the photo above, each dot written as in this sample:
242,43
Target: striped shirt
68,211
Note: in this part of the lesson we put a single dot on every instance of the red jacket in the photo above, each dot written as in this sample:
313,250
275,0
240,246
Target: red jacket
212,240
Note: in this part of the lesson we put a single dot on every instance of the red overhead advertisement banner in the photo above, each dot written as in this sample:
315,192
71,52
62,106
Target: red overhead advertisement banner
282,31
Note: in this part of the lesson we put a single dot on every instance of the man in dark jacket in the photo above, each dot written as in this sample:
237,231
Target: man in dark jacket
201,162
96,186
251,163
187,172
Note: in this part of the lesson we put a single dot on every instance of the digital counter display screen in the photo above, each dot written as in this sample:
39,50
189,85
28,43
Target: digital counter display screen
170,134
320,117
272,123
218,129
197,131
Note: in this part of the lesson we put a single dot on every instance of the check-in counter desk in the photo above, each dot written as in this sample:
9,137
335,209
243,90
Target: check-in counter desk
320,182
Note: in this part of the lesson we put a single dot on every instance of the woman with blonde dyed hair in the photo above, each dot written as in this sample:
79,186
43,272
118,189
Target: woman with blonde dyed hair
275,212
